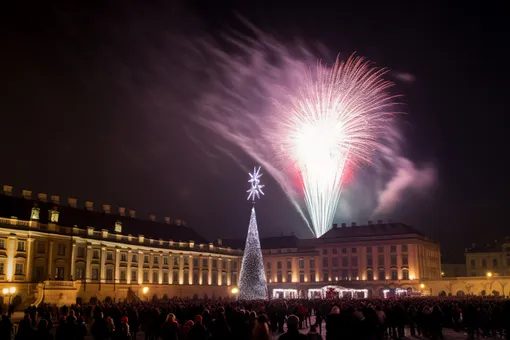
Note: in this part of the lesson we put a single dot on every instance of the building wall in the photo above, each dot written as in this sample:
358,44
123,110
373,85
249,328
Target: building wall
481,263
105,264
459,286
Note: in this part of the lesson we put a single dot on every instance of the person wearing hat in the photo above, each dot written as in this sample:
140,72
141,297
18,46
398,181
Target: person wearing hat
292,330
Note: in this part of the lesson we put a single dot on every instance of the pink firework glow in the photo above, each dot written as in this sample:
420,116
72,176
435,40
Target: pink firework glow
313,127
335,117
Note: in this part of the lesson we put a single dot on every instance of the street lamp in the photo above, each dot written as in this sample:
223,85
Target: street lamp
235,290
9,292
489,274
145,290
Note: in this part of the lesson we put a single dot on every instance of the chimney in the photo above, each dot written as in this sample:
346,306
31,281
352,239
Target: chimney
369,222
73,202
106,208
379,221
7,190
122,211
353,224
55,199
132,213
152,218
167,220
89,205
335,225
220,242
344,225
27,194
41,196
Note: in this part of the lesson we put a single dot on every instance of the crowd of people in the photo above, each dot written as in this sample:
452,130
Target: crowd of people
178,319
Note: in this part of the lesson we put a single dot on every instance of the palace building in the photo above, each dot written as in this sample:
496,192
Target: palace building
57,252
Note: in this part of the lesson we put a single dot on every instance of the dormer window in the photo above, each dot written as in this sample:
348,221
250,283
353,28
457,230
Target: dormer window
35,213
54,215
118,227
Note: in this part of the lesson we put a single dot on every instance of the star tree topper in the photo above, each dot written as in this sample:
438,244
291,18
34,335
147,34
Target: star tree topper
256,188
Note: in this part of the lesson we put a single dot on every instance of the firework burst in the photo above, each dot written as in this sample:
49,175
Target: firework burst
304,125
337,116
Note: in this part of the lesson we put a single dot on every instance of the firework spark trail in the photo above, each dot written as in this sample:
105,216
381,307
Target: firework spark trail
264,97
336,116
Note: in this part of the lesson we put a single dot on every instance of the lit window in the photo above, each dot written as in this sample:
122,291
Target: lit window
61,249
95,274
109,274
118,227
80,273
54,215
19,269
301,263
21,245
81,252
35,213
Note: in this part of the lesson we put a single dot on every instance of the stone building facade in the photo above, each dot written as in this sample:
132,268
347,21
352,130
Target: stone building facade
57,252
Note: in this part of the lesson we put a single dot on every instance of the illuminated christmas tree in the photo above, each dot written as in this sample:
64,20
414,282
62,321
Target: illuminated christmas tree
252,282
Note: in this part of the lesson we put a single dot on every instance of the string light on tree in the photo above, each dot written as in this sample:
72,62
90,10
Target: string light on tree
252,281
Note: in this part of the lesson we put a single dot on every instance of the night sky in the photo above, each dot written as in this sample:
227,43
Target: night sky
95,104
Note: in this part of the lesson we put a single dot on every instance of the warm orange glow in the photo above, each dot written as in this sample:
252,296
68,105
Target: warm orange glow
422,285
489,274
145,290
235,290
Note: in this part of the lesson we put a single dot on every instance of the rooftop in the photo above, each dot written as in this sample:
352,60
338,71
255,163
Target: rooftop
69,216
370,230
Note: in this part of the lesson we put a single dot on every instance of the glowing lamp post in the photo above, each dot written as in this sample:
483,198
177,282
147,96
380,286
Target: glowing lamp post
9,292
489,274
235,291
145,290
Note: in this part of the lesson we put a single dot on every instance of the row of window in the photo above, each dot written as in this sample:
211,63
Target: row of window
61,251
18,268
495,263
380,249
21,245
109,274
345,262
343,275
